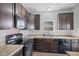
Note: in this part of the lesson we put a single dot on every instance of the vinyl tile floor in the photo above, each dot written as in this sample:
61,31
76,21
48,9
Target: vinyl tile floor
47,54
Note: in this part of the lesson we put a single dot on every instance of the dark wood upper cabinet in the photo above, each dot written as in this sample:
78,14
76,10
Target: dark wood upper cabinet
6,15
66,21
37,22
62,21
13,15
70,20
18,9
24,12
20,20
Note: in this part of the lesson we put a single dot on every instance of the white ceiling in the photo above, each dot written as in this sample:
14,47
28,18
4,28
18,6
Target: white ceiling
42,7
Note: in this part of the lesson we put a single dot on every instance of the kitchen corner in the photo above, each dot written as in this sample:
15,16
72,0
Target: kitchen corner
28,29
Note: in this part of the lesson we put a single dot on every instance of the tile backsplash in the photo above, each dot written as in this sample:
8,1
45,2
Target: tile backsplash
3,33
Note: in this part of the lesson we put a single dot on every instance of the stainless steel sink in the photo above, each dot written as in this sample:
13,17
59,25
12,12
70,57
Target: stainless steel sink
56,35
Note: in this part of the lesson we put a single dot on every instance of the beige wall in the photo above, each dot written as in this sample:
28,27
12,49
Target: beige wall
76,21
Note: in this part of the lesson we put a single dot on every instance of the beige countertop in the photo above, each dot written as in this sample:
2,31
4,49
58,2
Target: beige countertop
73,53
53,37
9,50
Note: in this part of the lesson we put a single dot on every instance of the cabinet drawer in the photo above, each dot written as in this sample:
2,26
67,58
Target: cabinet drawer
38,48
37,40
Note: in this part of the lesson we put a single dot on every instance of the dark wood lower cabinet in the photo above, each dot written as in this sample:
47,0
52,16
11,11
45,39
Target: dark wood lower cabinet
48,45
54,45
38,44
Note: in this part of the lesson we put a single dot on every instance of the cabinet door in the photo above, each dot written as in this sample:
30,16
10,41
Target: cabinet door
62,21
6,15
21,22
28,17
24,12
66,21
18,9
38,44
37,22
70,21
54,45
47,45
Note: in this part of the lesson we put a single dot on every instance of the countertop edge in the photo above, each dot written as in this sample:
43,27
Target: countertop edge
31,37
72,53
16,51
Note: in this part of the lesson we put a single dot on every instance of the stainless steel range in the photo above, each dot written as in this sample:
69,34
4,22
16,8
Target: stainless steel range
14,38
